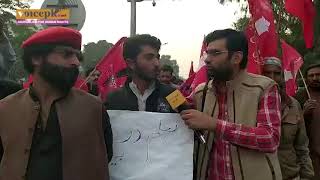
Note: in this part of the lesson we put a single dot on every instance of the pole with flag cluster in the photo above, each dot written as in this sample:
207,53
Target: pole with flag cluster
263,39
305,11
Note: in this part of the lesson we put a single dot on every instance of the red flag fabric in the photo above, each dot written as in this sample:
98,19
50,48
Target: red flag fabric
254,58
291,62
188,87
261,34
79,84
191,71
109,66
185,87
201,75
306,12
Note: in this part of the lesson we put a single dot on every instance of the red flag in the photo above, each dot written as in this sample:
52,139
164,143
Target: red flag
191,71
261,32
109,66
254,58
201,75
291,61
185,87
306,12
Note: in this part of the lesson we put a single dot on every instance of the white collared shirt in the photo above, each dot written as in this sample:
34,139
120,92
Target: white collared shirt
142,98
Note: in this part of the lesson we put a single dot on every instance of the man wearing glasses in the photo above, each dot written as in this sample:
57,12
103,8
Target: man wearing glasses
52,131
240,115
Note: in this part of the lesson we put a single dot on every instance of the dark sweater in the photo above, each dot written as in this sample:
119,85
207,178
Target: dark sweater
125,99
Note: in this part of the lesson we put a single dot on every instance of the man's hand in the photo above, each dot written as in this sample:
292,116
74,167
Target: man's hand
198,120
309,106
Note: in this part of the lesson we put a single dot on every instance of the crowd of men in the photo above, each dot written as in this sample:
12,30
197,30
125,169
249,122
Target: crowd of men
252,128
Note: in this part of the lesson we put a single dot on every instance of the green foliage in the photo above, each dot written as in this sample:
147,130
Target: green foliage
166,59
241,23
11,5
16,34
93,52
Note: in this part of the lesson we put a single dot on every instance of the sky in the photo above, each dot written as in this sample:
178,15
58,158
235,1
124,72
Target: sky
180,24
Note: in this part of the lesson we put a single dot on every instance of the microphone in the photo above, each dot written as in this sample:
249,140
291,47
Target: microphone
178,101
198,133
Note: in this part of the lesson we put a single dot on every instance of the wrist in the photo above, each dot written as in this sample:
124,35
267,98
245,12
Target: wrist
213,124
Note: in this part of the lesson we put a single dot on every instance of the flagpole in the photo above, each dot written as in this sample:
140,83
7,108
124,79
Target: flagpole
87,78
305,84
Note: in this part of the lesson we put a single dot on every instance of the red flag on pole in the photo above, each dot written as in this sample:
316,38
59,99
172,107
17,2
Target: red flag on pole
262,36
109,66
306,12
291,61
191,71
197,78
185,87
201,75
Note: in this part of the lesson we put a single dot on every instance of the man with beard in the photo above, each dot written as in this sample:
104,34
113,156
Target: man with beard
311,113
239,114
52,131
293,151
142,91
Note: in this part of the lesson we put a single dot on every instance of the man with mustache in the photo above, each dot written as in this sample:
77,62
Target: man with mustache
239,114
142,91
311,108
293,151
52,131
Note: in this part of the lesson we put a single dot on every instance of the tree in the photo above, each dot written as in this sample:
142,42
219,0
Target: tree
166,59
16,37
7,10
16,34
93,52
241,23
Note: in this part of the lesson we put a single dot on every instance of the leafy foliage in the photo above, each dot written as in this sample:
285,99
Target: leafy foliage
166,59
93,52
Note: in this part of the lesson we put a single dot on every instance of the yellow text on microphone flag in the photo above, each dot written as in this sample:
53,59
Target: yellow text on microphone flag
175,99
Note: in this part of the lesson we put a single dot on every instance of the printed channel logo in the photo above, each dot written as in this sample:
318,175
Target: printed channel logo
43,16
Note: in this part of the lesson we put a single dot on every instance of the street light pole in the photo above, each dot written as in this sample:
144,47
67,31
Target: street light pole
133,17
